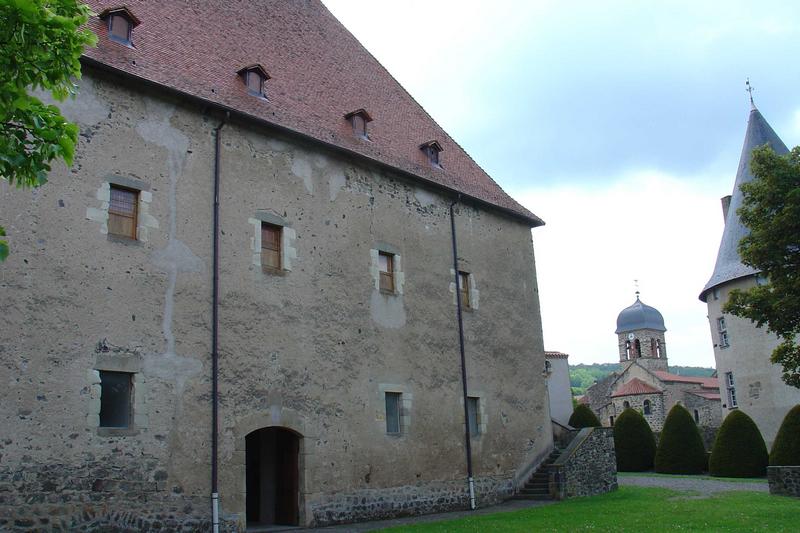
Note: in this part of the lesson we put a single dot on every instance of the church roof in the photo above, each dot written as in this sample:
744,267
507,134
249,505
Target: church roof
318,73
708,395
639,316
555,355
706,383
729,266
635,386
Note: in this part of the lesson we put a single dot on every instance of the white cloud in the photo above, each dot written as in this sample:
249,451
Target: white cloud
659,229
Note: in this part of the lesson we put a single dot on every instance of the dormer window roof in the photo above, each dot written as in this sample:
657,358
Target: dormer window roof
120,24
432,150
359,119
254,77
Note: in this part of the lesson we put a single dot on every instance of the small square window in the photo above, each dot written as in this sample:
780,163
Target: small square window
473,416
386,268
393,400
271,247
123,209
432,150
115,399
119,29
463,287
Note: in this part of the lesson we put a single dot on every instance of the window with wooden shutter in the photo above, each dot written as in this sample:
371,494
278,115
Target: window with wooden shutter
386,268
463,287
270,247
123,209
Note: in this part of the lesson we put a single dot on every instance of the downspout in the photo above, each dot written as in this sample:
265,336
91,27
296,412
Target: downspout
467,436
215,338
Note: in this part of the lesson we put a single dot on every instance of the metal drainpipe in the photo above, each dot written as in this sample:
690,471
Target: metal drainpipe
467,437
215,337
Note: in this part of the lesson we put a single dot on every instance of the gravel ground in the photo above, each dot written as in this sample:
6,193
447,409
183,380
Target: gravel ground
700,485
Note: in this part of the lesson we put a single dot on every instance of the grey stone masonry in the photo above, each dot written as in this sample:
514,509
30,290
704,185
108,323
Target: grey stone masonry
784,480
587,467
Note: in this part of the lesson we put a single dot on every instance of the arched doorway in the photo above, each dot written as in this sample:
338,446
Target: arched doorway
272,477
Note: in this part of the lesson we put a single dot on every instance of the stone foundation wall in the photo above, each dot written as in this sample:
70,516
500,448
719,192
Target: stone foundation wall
378,504
587,467
784,480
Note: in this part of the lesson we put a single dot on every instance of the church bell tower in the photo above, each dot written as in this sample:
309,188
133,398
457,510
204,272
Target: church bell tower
640,334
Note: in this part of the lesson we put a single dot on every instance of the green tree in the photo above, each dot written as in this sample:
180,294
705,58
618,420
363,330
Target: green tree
771,211
786,448
739,449
583,417
634,443
680,448
41,42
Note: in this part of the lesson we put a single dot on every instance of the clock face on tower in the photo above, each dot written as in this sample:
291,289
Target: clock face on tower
631,336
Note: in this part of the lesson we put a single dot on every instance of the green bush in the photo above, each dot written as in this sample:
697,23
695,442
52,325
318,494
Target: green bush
583,417
739,450
680,448
786,448
634,443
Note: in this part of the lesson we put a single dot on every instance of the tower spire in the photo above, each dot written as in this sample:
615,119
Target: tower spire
750,90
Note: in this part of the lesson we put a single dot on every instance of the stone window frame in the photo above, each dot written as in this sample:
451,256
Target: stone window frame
406,402
483,417
145,222
730,387
647,407
288,242
397,266
125,363
474,293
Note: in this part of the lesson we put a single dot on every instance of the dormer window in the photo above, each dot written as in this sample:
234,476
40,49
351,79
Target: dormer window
359,119
432,150
120,24
254,77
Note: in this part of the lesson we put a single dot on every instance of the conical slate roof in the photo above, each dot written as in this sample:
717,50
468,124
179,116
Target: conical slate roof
639,316
729,266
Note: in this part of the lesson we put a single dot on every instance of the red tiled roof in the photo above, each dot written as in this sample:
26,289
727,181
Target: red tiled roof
319,73
706,383
708,395
635,386
555,355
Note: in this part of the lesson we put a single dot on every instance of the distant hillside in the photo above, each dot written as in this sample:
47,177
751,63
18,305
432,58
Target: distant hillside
583,376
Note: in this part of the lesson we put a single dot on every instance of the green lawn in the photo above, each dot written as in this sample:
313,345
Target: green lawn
639,510
733,479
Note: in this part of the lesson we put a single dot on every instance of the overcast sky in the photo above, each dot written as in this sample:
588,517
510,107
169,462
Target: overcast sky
619,123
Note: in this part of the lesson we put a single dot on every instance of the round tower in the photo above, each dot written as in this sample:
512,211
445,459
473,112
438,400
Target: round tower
640,333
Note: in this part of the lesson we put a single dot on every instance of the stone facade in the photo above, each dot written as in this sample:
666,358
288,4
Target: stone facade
655,414
784,480
311,349
587,467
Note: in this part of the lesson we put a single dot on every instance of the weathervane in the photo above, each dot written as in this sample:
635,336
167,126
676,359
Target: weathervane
750,90
636,283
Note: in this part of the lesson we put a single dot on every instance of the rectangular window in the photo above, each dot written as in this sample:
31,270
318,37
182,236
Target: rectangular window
723,332
123,209
731,390
463,287
115,399
255,83
271,246
715,294
472,416
393,413
386,267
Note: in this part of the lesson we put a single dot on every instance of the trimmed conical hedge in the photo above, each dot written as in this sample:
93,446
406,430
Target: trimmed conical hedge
634,443
680,448
583,417
786,448
739,450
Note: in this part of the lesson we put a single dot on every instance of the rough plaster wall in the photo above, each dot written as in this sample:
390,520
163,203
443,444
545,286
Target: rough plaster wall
559,390
760,391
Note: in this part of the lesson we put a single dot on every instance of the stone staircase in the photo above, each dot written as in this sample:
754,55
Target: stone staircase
538,486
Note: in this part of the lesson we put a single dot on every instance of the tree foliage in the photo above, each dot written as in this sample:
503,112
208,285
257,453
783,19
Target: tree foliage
739,449
786,448
634,443
771,211
583,417
680,448
41,42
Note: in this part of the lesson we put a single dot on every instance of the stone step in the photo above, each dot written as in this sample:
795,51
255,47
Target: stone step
541,487
531,497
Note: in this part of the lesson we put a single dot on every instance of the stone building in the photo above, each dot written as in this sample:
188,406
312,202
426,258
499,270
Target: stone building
559,389
644,381
245,286
749,380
